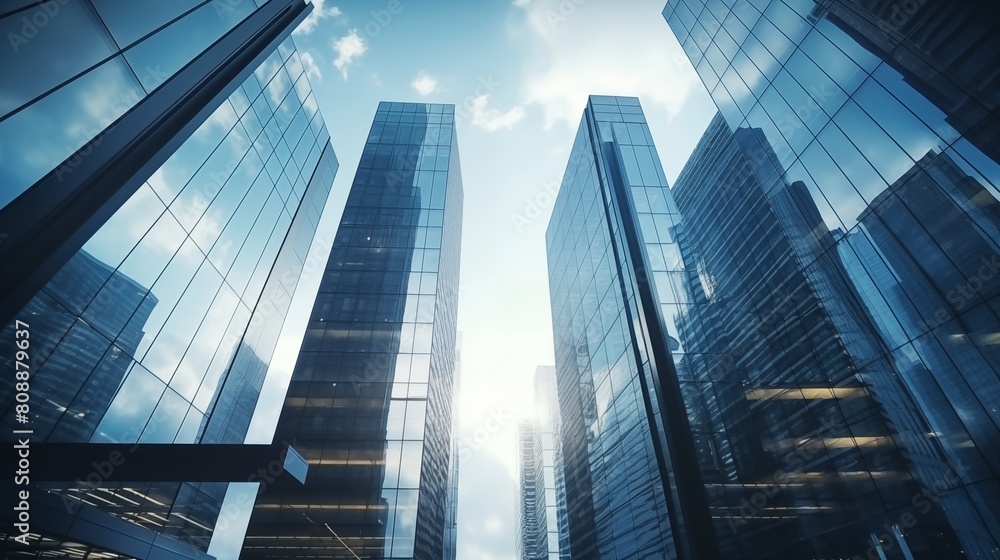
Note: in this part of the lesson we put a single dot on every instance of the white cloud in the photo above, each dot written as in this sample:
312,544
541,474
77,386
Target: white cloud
349,48
320,11
424,84
635,56
309,64
487,492
492,120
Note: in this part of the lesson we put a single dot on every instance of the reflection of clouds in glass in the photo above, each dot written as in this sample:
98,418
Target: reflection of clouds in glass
165,353
210,228
177,171
268,68
173,279
150,256
277,88
222,119
104,102
206,345
43,135
225,355
112,243
162,183
406,523
177,333
310,105
166,419
131,407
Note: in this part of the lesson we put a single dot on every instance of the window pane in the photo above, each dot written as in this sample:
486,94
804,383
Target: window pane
37,139
173,47
70,40
130,21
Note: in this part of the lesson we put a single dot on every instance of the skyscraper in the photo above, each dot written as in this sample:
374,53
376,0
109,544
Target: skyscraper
870,128
164,170
532,536
370,400
633,486
543,527
451,511
800,424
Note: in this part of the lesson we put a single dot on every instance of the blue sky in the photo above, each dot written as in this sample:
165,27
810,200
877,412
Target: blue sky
519,73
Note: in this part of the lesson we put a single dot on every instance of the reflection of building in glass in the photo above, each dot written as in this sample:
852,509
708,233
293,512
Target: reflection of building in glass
947,51
633,487
544,523
370,400
778,370
76,399
234,401
874,141
178,170
915,294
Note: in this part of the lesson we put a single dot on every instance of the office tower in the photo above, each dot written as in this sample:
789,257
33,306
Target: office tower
532,535
451,512
633,487
369,405
543,524
164,170
798,417
875,127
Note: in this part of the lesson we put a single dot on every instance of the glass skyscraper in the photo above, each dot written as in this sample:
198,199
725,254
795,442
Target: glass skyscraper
531,529
633,485
451,511
370,400
543,524
840,244
164,168
803,430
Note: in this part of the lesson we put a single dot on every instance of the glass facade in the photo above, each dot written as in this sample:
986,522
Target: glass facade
801,425
543,523
64,98
627,462
837,310
160,328
370,401
532,538
100,95
451,511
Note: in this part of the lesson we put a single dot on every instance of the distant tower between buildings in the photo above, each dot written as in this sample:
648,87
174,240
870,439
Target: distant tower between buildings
370,404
